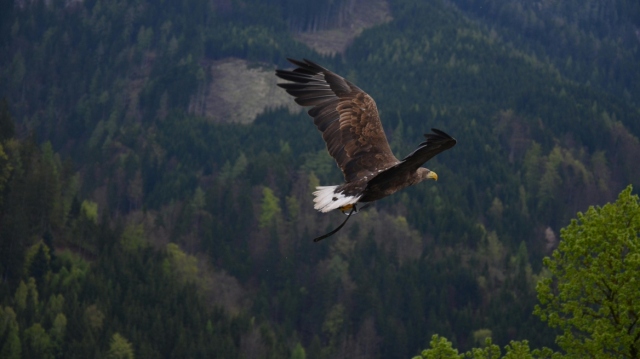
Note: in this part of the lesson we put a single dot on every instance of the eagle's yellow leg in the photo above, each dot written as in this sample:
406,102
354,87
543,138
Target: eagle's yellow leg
346,208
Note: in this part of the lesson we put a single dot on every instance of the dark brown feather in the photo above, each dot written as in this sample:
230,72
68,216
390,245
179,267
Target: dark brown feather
436,142
347,117
402,174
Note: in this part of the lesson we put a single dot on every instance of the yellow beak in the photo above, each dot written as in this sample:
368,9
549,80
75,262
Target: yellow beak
432,175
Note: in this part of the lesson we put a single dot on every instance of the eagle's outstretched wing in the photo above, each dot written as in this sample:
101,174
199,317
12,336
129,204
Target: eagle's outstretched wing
347,117
435,143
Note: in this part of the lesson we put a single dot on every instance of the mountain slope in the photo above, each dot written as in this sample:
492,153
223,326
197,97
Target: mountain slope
113,86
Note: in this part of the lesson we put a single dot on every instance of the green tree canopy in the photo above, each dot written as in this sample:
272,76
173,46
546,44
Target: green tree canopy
441,348
593,295
120,348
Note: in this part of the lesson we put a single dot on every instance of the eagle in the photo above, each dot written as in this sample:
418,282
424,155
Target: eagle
350,125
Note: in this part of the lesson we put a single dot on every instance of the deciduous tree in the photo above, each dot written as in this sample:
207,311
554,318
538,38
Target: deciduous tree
593,295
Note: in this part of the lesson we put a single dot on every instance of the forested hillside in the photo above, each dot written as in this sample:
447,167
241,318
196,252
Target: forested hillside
130,224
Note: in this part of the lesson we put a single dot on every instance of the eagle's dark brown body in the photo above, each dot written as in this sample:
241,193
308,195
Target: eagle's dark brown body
349,122
381,187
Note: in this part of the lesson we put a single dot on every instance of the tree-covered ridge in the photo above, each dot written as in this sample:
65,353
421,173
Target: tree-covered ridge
594,42
109,64
77,287
108,84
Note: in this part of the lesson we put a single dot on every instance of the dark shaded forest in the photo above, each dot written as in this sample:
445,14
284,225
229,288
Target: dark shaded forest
130,226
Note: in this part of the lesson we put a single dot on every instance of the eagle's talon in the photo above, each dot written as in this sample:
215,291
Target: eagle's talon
345,209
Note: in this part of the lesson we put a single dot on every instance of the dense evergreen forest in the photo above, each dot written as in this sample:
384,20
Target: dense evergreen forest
130,226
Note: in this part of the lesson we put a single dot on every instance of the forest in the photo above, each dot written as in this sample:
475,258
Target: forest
131,226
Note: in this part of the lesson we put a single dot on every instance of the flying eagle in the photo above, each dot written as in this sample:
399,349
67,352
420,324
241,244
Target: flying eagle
350,125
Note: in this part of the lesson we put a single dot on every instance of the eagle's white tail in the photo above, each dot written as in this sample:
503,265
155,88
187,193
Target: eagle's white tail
327,200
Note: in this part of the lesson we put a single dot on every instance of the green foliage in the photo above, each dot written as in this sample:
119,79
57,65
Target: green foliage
9,333
93,317
20,297
480,336
58,328
439,348
592,292
90,210
36,190
180,265
11,348
487,351
120,348
270,209
334,321
37,261
26,296
133,237
37,343
231,173
298,352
